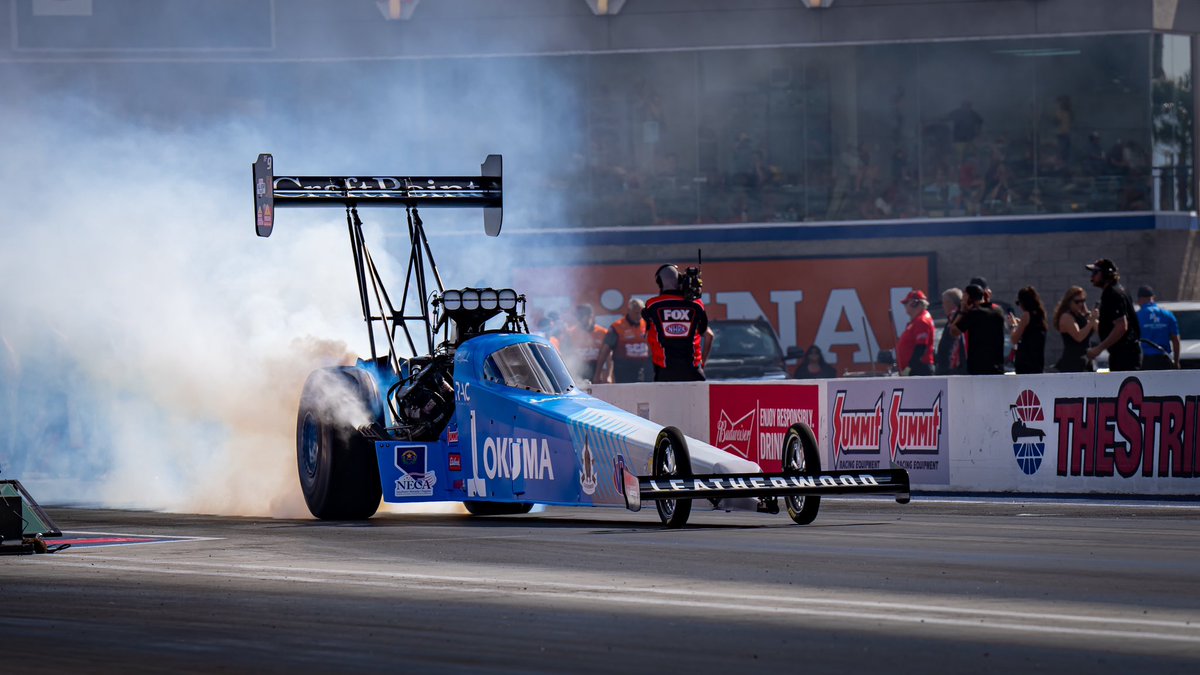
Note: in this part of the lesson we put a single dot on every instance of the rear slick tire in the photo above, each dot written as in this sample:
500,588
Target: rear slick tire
801,456
336,462
671,460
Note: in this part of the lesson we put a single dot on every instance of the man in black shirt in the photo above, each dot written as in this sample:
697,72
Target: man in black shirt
1119,329
983,325
677,331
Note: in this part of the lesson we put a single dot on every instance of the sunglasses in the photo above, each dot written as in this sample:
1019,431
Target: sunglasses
1079,301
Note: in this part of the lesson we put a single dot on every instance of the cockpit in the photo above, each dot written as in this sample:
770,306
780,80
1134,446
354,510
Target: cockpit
530,366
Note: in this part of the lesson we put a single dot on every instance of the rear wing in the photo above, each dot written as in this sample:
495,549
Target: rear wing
484,191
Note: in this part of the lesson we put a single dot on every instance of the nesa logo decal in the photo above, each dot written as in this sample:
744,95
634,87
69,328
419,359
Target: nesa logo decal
677,329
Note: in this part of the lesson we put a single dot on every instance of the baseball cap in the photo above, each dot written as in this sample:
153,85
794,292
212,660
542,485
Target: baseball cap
1102,265
915,294
980,282
1145,292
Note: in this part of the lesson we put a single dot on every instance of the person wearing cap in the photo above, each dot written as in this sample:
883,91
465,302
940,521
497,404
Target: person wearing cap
914,351
983,324
982,283
1158,327
1118,325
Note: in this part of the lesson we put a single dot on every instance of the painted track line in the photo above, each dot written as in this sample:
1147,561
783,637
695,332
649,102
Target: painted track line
1029,622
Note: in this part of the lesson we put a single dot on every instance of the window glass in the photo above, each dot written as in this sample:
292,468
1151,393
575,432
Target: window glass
1171,115
740,340
529,366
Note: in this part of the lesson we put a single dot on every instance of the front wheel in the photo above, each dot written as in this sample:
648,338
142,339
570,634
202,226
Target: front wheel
801,456
671,460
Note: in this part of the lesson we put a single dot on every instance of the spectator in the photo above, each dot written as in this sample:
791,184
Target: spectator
625,348
1076,324
548,327
1118,325
677,331
1158,327
581,343
815,366
951,350
966,125
983,325
982,283
914,351
1029,332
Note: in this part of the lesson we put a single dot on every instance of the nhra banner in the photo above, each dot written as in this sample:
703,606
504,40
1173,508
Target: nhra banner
750,420
849,307
880,423
1115,433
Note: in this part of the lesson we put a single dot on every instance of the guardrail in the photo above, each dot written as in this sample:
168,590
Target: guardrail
1098,433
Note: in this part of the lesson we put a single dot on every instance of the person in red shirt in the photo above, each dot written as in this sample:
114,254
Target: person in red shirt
625,343
677,331
914,352
581,343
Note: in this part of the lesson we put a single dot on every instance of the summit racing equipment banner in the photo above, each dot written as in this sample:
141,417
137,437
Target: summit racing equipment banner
1133,433
878,423
849,307
750,420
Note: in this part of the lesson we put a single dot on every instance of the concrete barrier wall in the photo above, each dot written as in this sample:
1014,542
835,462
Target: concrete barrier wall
1110,433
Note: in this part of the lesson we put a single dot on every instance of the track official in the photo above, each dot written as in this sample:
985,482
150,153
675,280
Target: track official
677,331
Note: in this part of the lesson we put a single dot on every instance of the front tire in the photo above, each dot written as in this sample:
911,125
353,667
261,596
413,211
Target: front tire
671,460
801,456
338,470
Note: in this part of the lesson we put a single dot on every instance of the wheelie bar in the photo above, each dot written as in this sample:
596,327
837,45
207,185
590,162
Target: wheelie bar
638,489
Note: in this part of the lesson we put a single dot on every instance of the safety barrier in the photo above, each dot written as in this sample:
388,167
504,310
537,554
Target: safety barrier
1104,433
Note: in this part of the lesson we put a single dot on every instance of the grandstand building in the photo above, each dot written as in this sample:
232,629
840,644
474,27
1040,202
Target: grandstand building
1010,139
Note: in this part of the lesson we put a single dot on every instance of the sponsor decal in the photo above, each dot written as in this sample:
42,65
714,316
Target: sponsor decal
516,457
1128,434
734,436
1028,437
761,482
587,470
455,461
677,329
751,420
452,437
856,431
914,431
877,423
415,478
618,466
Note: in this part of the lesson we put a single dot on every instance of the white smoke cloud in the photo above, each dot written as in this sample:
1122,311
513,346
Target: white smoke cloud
154,349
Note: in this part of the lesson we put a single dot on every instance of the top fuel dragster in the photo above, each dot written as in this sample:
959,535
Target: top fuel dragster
488,415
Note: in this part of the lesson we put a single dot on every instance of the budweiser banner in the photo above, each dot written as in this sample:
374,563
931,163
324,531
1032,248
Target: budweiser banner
750,420
849,307
880,423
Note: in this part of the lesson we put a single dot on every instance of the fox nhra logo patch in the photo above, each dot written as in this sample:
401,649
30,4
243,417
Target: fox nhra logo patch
676,322
415,478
